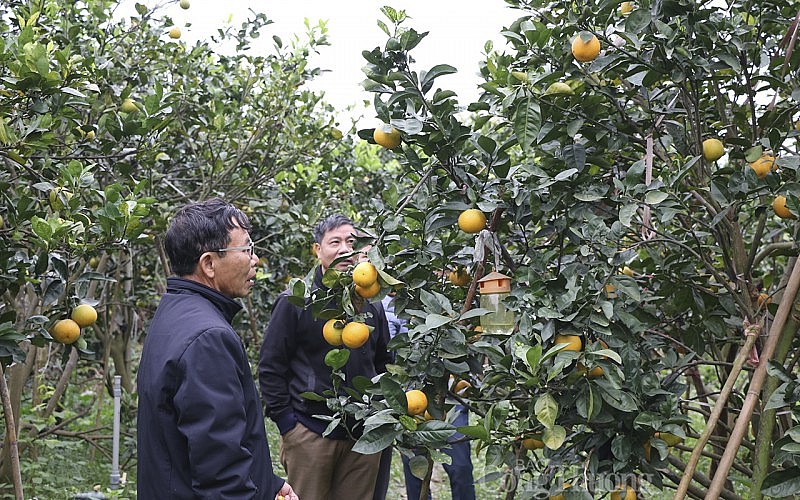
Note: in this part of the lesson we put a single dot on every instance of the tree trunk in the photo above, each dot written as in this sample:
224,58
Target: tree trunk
11,435
17,376
764,434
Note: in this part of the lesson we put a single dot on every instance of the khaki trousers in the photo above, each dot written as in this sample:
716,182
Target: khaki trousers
327,469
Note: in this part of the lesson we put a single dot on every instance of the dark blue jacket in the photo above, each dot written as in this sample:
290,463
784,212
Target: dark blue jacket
292,362
200,424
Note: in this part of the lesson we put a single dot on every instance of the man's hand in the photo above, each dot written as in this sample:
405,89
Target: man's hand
286,493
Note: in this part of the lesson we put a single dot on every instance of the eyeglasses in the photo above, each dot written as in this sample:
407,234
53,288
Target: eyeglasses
246,249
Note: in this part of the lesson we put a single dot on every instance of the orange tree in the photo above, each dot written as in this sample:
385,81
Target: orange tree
602,174
107,125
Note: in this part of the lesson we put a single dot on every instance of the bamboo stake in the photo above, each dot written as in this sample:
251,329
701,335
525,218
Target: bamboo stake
11,432
760,375
751,334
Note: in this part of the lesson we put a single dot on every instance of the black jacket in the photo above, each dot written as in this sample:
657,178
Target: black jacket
200,425
292,361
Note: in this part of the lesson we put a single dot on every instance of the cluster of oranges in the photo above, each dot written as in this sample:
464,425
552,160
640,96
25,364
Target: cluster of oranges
586,48
575,343
68,330
352,334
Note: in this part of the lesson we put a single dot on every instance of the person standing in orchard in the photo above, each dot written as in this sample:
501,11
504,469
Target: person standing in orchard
292,362
459,470
200,424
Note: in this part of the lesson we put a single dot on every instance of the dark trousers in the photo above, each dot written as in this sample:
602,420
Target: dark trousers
384,475
462,486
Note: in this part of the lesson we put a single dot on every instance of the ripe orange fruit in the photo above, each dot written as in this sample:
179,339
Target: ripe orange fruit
175,32
84,315
763,299
458,277
532,444
713,149
585,51
461,386
387,136
369,291
627,271
573,342
355,334
593,373
365,274
780,208
65,331
763,165
630,494
332,331
472,220
625,8
417,402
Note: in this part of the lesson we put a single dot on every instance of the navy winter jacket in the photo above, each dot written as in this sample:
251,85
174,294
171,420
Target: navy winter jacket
292,362
200,423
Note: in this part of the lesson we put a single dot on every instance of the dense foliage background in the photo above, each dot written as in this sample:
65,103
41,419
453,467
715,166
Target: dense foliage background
601,207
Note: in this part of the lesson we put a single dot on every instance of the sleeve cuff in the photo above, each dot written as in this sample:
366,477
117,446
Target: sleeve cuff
286,422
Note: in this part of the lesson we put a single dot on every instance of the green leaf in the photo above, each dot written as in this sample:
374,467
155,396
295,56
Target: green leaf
313,396
638,20
376,439
527,122
473,313
626,213
337,358
434,433
389,279
554,437
394,394
753,153
433,73
575,156
589,404
475,432
546,410
532,357
782,483
434,321
73,92
655,197
419,466
566,174
298,288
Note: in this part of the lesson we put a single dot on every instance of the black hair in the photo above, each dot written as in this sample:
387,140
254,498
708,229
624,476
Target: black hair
198,228
329,224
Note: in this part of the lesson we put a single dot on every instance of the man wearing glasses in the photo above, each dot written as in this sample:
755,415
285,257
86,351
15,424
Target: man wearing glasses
200,423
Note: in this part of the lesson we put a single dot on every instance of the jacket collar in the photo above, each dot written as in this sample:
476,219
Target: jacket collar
318,278
227,306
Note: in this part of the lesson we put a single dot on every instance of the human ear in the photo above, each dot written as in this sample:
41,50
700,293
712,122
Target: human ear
206,265
315,249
